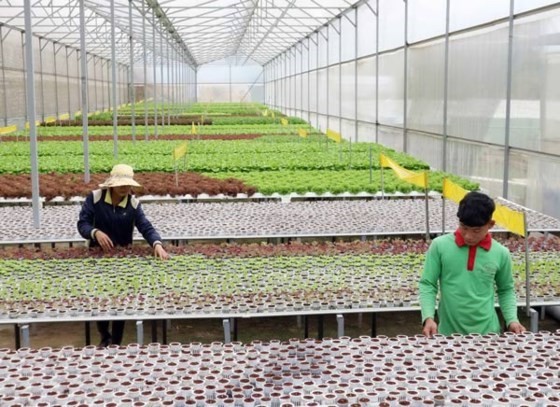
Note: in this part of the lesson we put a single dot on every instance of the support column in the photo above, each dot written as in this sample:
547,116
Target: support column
131,88
113,99
30,100
84,91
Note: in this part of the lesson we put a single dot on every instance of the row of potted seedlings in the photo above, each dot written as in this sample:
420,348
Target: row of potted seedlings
457,370
196,284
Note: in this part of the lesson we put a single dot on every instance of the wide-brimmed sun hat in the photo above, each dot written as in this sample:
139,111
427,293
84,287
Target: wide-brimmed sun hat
121,175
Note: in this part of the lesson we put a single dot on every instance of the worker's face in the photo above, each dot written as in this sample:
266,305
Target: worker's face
474,234
121,192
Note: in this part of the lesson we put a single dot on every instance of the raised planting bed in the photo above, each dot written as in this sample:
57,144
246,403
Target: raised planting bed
487,370
238,280
258,220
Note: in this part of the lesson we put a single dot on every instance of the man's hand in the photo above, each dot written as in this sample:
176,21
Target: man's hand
430,327
104,241
516,328
160,252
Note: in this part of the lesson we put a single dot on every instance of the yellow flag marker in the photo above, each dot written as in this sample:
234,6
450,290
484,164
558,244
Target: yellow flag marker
284,122
65,116
509,219
179,151
302,133
8,130
334,136
272,114
417,178
193,129
453,191
50,119
265,112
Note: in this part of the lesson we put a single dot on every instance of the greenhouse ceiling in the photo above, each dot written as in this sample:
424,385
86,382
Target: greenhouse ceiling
204,30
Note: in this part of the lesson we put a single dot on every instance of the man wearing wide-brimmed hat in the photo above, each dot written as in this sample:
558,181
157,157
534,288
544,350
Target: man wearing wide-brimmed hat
108,218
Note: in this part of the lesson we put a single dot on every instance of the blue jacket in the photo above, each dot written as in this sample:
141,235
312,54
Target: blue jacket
116,221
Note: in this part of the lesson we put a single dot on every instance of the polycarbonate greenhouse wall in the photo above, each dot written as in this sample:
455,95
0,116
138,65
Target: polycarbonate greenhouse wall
472,87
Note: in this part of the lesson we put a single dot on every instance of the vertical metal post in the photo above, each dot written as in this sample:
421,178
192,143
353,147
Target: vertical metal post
154,72
340,76
84,91
227,330
508,100
56,109
114,80
377,71
339,325
145,60
131,88
140,332
405,90
445,106
70,114
30,100
527,270
328,77
195,72
356,126
534,315
317,81
163,83
24,76
229,70
309,80
24,330
169,84
42,85
3,78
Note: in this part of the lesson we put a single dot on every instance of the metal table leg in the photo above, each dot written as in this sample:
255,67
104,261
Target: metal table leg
340,325
140,332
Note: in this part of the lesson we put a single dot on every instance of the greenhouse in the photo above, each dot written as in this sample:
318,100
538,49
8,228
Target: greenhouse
279,203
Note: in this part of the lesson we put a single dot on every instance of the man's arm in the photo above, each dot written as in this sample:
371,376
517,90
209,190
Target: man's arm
505,288
428,288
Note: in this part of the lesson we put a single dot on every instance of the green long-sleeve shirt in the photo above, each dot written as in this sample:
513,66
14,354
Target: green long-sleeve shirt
467,303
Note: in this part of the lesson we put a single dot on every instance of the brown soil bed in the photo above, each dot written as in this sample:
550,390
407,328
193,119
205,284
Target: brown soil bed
140,137
155,183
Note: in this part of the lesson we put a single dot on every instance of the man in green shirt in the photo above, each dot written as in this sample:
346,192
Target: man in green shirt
467,264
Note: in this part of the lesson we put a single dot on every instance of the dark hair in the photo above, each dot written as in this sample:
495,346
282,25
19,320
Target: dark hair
475,209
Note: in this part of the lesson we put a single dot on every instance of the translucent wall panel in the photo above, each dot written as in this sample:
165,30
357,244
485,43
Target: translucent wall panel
348,37
525,5
541,182
333,124
312,52
234,93
391,24
323,45
348,91
322,123
322,90
535,104
313,102
426,19
391,137
246,73
464,14
298,92
366,89
366,132
334,42
313,120
334,91
366,30
305,55
348,130
426,147
481,163
391,92
305,91
426,67
477,85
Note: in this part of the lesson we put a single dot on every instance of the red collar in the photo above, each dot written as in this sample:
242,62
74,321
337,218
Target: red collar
485,243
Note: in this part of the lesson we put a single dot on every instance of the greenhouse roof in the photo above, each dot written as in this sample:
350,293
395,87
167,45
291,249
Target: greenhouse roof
204,30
